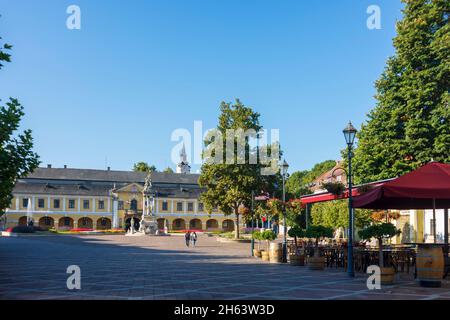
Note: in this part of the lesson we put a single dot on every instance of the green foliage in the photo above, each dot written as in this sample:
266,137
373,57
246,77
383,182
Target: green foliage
297,183
143,167
229,186
168,170
257,235
296,232
334,214
336,188
410,124
317,232
379,231
268,235
17,158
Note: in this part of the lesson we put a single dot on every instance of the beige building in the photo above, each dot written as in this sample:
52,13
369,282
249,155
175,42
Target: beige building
65,198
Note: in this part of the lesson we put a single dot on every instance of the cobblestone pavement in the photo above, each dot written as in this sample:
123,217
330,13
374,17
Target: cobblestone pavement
119,267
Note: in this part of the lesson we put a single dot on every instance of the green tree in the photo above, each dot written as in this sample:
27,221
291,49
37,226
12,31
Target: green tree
379,232
229,186
334,214
168,170
410,124
17,158
143,167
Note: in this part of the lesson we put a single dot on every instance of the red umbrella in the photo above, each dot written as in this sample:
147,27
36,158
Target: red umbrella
423,188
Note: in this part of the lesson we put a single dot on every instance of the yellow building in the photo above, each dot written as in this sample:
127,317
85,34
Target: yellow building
66,198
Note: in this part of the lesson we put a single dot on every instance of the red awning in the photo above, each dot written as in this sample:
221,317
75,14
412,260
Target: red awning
414,190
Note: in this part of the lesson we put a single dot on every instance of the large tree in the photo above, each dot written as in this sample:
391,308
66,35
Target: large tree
229,186
143,167
411,123
17,158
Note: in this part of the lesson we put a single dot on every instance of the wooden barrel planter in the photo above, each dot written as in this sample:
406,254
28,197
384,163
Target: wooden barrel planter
387,276
257,253
296,260
316,263
276,252
265,255
430,265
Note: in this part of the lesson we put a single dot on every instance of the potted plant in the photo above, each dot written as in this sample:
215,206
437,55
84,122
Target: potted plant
296,258
317,232
336,188
257,236
380,232
268,236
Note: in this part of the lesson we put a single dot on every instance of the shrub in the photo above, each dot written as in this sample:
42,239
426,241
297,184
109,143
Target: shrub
380,232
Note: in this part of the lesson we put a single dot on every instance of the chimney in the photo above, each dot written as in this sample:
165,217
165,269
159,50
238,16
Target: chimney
65,166
49,166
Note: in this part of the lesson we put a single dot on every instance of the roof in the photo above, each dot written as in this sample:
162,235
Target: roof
110,176
89,182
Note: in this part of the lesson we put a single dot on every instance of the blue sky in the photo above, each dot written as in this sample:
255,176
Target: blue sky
112,93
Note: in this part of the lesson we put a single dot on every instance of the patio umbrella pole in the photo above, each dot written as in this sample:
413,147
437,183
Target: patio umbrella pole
446,230
434,220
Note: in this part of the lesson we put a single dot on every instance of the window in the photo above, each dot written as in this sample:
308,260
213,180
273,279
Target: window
179,206
56,203
120,205
190,206
71,204
165,206
200,206
101,204
25,203
41,203
85,204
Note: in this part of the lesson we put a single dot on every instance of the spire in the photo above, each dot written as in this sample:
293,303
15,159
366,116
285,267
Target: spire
183,156
183,166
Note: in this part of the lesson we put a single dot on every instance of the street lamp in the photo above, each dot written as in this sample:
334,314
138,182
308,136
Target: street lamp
350,134
284,170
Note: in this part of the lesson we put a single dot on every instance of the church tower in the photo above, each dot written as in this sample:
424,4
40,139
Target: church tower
183,166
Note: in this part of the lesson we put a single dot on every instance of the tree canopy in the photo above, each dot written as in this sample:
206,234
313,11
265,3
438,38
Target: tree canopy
334,214
229,186
410,124
143,167
17,158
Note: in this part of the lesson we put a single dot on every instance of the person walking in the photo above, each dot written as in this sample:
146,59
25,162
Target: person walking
187,237
194,238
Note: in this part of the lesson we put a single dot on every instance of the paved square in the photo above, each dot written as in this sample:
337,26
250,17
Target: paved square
119,267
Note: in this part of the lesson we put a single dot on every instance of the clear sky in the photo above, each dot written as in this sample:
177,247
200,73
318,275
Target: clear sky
112,93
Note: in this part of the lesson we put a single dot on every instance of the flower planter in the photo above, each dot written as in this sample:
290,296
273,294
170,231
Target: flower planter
257,253
316,263
275,253
296,260
387,276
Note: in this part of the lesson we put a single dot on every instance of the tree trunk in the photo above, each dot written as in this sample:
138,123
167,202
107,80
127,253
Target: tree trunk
236,232
381,257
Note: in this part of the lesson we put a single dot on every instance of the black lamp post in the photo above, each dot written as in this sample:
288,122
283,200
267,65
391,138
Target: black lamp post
284,170
350,134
